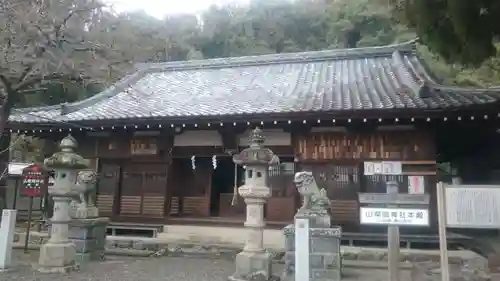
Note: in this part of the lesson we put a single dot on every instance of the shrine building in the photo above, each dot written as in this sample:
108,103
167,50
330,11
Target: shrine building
162,138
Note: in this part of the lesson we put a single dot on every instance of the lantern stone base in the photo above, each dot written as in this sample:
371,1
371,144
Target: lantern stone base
89,237
57,257
85,212
253,266
325,259
318,218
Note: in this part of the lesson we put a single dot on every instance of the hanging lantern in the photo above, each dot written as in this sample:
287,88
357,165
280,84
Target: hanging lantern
193,162
214,161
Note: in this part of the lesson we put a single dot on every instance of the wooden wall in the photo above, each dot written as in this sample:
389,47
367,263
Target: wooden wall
389,145
284,200
149,176
336,160
133,172
143,190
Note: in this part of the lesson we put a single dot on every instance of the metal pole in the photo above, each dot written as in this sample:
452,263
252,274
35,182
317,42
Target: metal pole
443,244
16,193
393,239
234,200
28,228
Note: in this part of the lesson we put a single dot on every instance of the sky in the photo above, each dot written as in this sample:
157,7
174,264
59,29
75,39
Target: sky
161,8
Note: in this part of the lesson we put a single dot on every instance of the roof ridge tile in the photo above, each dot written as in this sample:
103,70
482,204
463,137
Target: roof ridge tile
298,57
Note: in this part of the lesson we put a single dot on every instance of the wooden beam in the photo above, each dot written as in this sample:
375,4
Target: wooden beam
361,128
229,137
166,144
115,146
420,173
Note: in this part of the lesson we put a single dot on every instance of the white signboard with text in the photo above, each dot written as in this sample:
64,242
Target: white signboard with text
472,206
394,216
383,168
302,249
7,230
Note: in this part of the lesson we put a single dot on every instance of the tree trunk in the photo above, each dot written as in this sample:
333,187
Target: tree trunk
4,154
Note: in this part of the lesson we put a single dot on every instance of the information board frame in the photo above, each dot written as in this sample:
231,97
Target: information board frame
454,208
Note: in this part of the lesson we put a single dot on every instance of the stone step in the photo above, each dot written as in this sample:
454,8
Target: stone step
157,246
273,238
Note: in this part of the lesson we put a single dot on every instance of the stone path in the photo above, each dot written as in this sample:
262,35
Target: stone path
157,269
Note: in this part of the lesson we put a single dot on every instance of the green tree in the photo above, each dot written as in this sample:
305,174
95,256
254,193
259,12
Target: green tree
459,30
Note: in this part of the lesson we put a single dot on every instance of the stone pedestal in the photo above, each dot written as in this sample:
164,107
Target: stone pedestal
57,258
325,257
80,212
318,218
254,263
89,237
253,266
58,254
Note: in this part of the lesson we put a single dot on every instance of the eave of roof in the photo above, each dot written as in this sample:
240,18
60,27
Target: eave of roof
398,54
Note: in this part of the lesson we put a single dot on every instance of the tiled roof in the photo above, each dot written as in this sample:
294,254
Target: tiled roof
377,78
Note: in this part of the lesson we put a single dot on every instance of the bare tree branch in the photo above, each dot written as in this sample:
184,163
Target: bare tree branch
52,40
54,77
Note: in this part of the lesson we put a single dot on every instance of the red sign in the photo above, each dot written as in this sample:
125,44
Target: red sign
34,180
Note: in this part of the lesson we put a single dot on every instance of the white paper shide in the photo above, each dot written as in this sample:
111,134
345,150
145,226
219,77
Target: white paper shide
416,185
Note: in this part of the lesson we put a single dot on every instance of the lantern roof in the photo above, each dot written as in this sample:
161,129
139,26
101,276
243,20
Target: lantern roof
67,158
256,154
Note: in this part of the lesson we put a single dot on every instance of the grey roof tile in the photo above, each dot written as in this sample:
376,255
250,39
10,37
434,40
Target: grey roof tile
378,78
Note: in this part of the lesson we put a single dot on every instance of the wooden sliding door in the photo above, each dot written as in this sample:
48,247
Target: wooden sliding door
107,188
143,190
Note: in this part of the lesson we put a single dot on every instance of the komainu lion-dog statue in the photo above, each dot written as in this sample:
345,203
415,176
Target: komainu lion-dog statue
85,184
315,204
308,188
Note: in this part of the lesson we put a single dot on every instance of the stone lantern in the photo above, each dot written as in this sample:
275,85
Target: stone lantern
254,263
58,254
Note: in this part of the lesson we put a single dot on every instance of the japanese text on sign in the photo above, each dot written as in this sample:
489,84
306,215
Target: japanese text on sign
473,206
383,168
34,180
394,216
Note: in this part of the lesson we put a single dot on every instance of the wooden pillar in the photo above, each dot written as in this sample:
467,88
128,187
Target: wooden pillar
166,147
393,239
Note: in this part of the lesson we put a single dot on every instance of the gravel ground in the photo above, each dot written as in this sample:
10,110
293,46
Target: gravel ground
155,269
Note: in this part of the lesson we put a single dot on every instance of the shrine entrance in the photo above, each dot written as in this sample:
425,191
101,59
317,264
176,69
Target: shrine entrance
222,185
190,187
